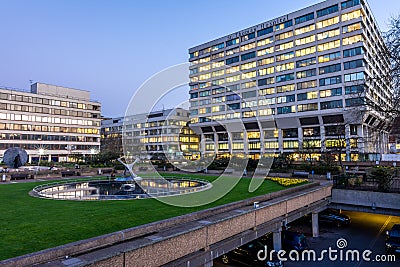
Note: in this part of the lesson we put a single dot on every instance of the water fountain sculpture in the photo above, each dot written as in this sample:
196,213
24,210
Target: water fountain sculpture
129,186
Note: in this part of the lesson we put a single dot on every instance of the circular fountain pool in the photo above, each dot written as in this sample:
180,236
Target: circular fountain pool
120,189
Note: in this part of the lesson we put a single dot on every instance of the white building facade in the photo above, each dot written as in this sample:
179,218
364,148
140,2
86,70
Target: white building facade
298,84
50,122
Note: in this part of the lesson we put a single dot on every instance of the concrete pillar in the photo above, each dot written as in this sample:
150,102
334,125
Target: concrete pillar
246,143
280,140
315,225
347,138
277,239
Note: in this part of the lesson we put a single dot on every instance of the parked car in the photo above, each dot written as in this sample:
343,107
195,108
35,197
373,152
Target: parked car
392,242
247,255
331,216
292,240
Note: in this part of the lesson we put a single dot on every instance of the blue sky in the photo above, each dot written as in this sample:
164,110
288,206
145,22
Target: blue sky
112,47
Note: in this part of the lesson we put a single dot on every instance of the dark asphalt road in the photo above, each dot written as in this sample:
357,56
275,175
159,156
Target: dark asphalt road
366,232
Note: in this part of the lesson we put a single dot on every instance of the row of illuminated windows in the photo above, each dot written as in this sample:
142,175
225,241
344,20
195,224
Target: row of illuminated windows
306,62
46,101
46,128
319,25
298,53
45,110
351,102
289,66
48,147
306,144
335,130
162,139
352,89
43,137
45,119
170,122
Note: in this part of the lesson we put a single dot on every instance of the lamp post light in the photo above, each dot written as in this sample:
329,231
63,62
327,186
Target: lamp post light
41,153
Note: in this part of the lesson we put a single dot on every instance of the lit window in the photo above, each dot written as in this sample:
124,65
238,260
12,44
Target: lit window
328,46
266,101
305,40
265,61
266,112
265,51
218,64
249,75
248,66
305,29
205,76
352,39
247,47
233,78
205,68
351,15
352,27
328,34
286,66
266,91
285,56
232,69
327,22
284,35
205,59
218,73
305,51
266,71
284,46
265,41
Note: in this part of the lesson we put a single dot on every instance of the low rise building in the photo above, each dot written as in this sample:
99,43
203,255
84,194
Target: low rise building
52,123
158,134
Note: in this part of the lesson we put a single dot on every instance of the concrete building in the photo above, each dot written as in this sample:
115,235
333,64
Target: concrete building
296,84
50,122
156,134
111,135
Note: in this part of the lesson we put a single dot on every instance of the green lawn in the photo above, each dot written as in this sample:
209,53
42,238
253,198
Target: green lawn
31,224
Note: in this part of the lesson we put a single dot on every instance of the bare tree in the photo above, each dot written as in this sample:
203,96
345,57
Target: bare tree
385,101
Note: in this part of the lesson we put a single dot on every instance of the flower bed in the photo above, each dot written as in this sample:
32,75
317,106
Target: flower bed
287,181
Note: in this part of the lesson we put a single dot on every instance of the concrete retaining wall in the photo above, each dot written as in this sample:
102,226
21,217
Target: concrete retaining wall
366,198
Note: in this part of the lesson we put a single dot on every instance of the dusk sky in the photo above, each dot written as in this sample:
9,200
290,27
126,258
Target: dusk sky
112,47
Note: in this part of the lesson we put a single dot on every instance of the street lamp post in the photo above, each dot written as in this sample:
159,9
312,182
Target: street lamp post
41,153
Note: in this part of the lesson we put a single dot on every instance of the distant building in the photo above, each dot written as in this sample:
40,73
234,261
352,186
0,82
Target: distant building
52,123
296,84
156,135
111,135
394,139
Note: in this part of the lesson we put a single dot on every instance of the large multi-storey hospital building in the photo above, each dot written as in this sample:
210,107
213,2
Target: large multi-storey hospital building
298,84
